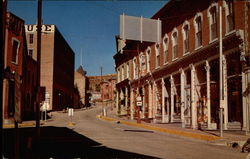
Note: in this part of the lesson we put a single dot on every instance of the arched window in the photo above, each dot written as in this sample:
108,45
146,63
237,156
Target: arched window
135,68
174,44
165,49
229,9
157,55
148,53
198,30
212,17
185,33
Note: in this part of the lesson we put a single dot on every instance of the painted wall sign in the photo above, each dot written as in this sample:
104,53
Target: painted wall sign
45,28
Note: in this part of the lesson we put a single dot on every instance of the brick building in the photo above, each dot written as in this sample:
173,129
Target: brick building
19,79
57,65
179,77
108,89
80,85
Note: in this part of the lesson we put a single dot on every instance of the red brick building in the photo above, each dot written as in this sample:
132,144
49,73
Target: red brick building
57,65
19,73
179,78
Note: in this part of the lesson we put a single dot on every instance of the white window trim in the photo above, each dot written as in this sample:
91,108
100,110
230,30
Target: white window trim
226,14
186,23
135,68
165,47
199,14
209,16
172,38
157,53
18,46
127,70
148,54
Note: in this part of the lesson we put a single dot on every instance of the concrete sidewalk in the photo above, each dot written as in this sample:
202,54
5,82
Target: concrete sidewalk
230,138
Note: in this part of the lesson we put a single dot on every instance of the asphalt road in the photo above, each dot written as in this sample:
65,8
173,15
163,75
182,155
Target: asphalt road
120,141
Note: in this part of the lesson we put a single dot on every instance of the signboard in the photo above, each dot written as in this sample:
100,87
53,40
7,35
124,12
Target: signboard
71,112
45,28
139,103
139,28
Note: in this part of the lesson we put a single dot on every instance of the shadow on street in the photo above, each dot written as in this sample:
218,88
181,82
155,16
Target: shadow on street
57,142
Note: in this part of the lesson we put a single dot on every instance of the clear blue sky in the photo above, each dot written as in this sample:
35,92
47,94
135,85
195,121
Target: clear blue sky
87,25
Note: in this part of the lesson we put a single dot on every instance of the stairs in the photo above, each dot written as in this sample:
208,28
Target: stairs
234,125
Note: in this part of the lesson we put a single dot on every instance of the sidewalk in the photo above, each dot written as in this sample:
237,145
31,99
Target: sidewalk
230,138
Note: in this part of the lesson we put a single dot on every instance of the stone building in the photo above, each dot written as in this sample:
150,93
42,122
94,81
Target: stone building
57,65
178,79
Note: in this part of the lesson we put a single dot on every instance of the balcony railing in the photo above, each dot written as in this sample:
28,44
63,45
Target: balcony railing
213,31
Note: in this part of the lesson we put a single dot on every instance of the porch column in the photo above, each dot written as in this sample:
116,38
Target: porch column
143,102
225,92
182,77
193,98
172,99
163,100
126,100
132,103
207,67
246,100
117,101
150,94
154,106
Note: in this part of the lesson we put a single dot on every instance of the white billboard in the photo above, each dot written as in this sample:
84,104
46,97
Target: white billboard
140,29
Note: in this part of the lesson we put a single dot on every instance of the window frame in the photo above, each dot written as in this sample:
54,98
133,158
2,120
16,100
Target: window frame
165,49
157,56
186,36
15,59
197,31
213,21
174,45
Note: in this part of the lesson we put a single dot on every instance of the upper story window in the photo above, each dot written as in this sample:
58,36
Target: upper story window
15,47
148,53
174,44
135,68
185,32
165,49
143,64
31,38
123,73
212,16
127,70
229,8
157,55
30,52
118,75
198,30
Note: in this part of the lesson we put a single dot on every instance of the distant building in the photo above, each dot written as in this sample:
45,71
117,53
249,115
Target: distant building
57,65
80,84
19,81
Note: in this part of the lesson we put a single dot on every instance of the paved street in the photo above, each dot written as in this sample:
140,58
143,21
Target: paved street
140,141
91,137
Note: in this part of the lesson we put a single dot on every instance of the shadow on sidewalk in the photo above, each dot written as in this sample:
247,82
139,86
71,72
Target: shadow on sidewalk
58,142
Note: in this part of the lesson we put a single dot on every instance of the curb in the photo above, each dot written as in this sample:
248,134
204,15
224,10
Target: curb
20,125
164,130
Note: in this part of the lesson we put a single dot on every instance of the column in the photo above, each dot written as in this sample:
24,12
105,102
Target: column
117,101
172,99
143,102
207,67
193,98
163,100
132,103
150,114
182,77
225,92
154,106
126,100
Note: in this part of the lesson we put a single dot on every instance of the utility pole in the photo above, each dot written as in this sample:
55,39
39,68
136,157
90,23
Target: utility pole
221,73
39,27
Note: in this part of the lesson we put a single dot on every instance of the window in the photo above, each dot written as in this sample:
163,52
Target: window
30,52
185,37
127,70
148,52
122,74
31,38
118,75
212,16
229,16
157,55
15,46
135,69
165,49
198,30
174,44
143,64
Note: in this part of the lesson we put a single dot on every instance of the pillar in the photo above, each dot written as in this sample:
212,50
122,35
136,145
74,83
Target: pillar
154,106
163,100
132,103
182,77
126,100
172,99
150,114
143,102
207,67
193,98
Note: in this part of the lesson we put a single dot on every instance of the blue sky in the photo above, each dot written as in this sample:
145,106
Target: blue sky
90,26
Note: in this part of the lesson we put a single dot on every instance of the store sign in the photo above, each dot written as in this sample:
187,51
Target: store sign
45,28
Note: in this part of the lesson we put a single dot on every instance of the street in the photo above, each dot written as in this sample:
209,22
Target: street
140,141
